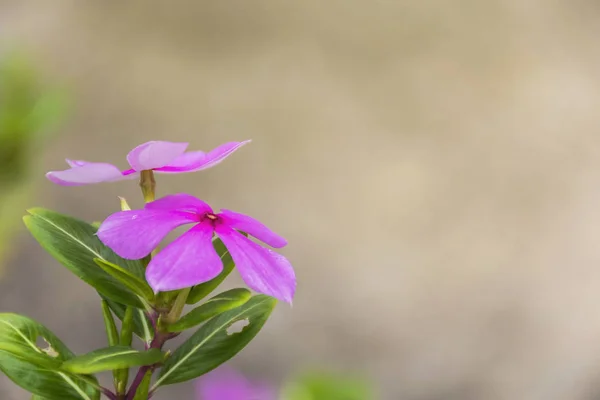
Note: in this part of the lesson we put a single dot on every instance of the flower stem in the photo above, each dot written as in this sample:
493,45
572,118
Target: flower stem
160,338
109,394
148,185
157,343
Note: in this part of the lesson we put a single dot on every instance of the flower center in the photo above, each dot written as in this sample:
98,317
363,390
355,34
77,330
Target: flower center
210,217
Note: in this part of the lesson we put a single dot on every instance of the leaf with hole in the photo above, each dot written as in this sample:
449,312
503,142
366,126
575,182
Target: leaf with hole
36,368
74,244
211,345
111,358
214,306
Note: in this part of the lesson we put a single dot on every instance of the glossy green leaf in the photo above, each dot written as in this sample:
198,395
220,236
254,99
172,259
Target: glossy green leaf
216,305
36,369
141,325
75,245
214,342
111,358
199,292
135,284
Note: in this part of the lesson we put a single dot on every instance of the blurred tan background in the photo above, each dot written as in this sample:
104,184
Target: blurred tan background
435,166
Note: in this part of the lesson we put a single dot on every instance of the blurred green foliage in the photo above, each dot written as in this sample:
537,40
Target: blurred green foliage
327,386
29,111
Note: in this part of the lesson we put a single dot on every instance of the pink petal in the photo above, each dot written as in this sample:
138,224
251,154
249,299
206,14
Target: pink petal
84,173
134,234
191,259
253,227
180,202
197,160
154,154
76,163
182,162
262,269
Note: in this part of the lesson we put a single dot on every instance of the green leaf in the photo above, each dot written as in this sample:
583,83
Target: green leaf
127,328
135,284
216,305
74,244
111,358
113,338
36,369
199,292
212,345
122,375
317,386
141,325
109,323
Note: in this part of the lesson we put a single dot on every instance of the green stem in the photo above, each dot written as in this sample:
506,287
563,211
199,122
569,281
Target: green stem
148,185
177,309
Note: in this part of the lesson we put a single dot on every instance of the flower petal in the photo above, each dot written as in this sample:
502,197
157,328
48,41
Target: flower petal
180,202
84,173
134,234
182,162
262,269
76,163
198,160
191,259
253,227
154,154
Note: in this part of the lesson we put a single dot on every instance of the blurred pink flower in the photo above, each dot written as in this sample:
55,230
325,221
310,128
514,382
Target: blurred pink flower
228,384
162,157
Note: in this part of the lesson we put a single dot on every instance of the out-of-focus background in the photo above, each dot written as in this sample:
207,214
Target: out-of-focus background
435,166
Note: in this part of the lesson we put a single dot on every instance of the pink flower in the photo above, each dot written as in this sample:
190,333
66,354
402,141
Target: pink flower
191,259
162,157
227,384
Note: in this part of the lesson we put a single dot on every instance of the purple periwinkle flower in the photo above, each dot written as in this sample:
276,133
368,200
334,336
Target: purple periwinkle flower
227,384
191,259
159,156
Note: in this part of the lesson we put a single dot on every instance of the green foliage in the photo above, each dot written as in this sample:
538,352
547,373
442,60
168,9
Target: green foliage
135,284
216,305
212,345
111,358
141,325
109,323
74,244
29,110
38,369
325,386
